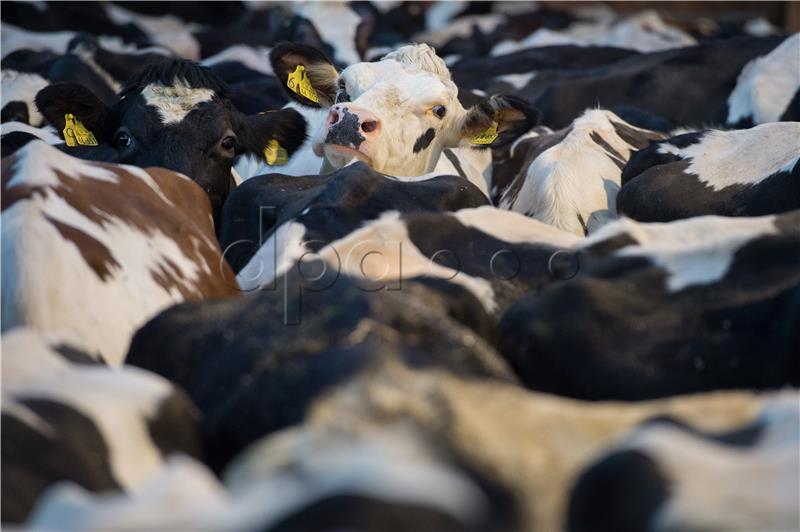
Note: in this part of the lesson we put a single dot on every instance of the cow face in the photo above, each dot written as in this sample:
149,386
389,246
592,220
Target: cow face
175,114
397,114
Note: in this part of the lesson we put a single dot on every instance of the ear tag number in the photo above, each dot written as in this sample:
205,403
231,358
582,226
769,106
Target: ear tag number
275,154
488,136
299,83
76,134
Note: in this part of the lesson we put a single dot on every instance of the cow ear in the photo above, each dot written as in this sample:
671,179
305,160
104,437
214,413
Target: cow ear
274,135
306,74
497,121
57,100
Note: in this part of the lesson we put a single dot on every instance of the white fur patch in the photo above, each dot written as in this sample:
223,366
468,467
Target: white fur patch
694,251
175,102
253,58
517,81
743,156
336,24
275,256
720,487
574,177
767,84
118,401
19,87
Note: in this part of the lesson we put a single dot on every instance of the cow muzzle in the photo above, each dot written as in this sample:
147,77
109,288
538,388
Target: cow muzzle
351,126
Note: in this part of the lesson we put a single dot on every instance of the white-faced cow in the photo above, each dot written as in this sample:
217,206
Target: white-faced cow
69,417
174,114
397,114
92,250
750,172
570,178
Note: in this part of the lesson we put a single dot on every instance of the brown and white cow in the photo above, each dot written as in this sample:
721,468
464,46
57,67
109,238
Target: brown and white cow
92,250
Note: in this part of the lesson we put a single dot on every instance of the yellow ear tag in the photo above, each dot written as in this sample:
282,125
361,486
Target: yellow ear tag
299,83
488,136
75,134
274,154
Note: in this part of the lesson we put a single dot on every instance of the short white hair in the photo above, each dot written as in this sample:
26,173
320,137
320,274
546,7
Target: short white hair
423,57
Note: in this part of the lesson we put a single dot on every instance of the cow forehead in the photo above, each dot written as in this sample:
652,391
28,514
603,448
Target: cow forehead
174,102
408,80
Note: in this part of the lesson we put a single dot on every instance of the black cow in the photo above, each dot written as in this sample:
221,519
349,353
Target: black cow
68,417
700,304
749,172
174,114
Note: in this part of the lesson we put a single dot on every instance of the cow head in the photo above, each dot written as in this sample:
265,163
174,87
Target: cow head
174,114
396,114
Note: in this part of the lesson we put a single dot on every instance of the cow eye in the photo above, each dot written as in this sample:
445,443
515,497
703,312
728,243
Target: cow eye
228,143
122,140
439,110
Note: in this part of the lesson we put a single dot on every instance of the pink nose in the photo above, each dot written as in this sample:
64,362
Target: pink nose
350,116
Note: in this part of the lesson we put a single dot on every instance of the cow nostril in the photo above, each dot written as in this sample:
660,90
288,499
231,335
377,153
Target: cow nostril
333,118
369,126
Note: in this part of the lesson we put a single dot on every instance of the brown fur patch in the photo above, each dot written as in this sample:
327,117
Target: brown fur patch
182,214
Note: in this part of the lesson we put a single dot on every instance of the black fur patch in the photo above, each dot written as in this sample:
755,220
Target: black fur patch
33,460
345,132
169,71
621,493
176,426
425,140
613,154
75,356
453,159
15,112
746,436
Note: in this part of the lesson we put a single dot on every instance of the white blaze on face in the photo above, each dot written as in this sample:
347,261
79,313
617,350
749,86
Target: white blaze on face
175,102
401,91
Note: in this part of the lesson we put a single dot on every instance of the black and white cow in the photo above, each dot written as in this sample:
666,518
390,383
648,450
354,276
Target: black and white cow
570,178
751,172
688,86
88,61
174,114
768,88
68,417
517,68
303,213
397,114
92,250
662,309
419,449
255,364
496,255
668,475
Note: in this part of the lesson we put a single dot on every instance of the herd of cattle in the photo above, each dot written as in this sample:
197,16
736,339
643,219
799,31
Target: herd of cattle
398,266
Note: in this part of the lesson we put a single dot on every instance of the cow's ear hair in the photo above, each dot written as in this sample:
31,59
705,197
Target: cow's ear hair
256,132
513,116
59,99
318,72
